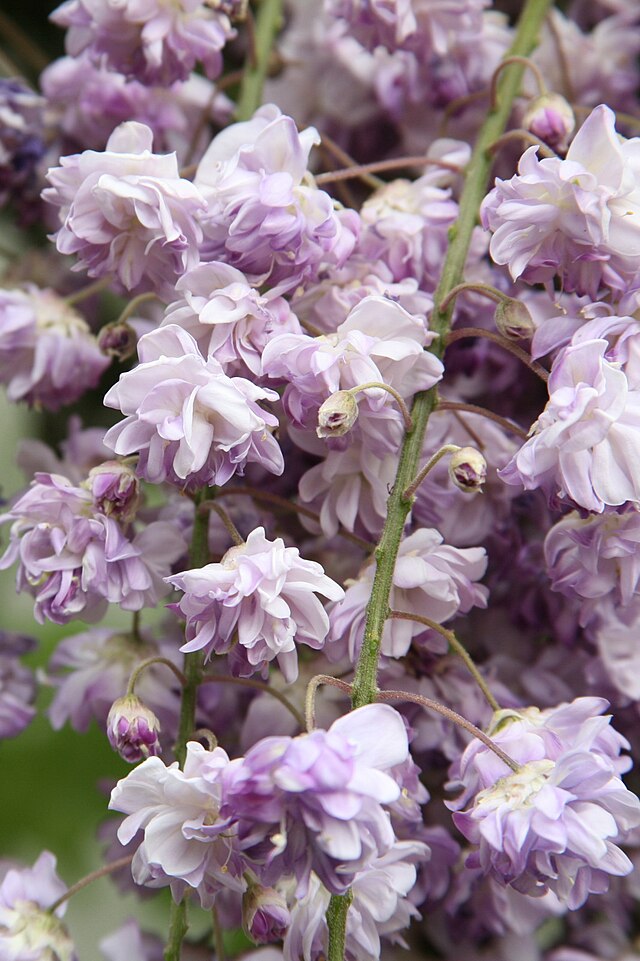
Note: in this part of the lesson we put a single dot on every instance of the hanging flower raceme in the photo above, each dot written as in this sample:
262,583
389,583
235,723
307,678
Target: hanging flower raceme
585,446
578,218
187,842
256,605
265,216
75,560
314,803
149,40
48,355
553,824
127,213
191,424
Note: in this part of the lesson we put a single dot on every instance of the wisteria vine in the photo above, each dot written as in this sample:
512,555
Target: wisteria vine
358,285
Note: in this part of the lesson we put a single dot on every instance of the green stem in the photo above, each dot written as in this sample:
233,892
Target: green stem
198,557
268,22
337,921
474,189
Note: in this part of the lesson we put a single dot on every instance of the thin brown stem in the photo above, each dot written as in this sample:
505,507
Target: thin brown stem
218,942
525,61
450,715
22,44
310,700
94,876
428,467
483,412
154,660
521,134
464,333
287,505
379,385
380,166
459,104
257,686
456,646
563,59
330,146
485,289
231,528
95,288
133,305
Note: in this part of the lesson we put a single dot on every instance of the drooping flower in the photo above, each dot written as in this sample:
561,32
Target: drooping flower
48,356
584,446
150,40
553,824
126,212
265,216
430,579
314,803
186,840
256,604
577,218
191,424
75,560
133,729
27,930
228,318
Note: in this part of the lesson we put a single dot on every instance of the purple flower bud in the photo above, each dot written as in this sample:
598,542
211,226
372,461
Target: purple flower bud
265,915
132,729
118,340
337,415
468,469
115,489
550,118
513,320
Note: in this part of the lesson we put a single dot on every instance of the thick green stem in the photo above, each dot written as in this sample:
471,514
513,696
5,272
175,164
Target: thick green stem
337,922
268,22
399,504
198,557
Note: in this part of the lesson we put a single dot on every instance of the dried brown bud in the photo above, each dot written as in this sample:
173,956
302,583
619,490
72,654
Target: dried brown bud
513,320
468,469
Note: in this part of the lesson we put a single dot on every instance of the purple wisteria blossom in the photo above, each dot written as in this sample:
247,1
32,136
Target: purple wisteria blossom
265,216
75,560
27,930
256,605
133,729
21,145
578,218
191,423
228,318
380,907
314,803
126,212
552,824
186,840
151,40
431,579
48,355
17,685
585,446
378,342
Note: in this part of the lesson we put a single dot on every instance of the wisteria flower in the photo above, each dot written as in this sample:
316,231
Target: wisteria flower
228,318
265,216
191,424
22,145
430,579
256,604
27,929
75,560
151,40
17,685
314,803
127,213
577,218
48,355
186,840
552,824
585,445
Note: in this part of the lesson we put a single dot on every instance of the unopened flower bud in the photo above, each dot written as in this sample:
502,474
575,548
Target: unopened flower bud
118,340
551,119
337,415
513,319
115,489
265,916
468,469
132,729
